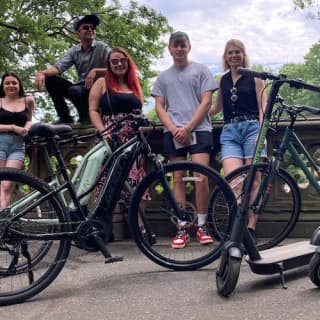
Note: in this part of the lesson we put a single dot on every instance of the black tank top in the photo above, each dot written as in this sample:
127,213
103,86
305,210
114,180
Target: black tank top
120,103
246,103
17,118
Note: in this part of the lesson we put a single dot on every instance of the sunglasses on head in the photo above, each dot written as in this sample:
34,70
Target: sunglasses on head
86,27
234,96
115,62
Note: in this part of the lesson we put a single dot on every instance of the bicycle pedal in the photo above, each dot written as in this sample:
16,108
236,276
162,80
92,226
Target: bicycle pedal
113,259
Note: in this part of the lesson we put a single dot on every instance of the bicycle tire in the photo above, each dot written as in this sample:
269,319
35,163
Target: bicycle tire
158,214
227,281
314,269
280,214
22,278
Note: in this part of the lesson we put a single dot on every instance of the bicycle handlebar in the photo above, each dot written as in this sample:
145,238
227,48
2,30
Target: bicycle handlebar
295,83
310,109
292,110
139,119
301,108
257,74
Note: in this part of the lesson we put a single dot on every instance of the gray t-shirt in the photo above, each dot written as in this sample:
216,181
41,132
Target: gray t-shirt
182,89
84,61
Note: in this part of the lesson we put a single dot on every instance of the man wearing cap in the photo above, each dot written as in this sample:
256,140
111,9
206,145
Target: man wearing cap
89,58
183,96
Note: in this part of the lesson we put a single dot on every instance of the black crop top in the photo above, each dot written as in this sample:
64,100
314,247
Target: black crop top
246,103
17,118
120,103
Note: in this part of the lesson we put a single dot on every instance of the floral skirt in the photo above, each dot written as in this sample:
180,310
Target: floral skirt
137,171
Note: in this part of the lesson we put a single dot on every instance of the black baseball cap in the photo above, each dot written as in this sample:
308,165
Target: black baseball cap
91,18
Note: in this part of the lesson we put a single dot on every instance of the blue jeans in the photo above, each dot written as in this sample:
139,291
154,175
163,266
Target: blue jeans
238,140
12,147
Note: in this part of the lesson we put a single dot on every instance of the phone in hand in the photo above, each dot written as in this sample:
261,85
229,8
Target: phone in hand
193,140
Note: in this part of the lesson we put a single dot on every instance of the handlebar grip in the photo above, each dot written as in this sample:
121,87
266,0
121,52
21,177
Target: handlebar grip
310,109
299,84
256,74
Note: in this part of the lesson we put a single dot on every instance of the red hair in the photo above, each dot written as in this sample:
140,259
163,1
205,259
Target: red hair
131,77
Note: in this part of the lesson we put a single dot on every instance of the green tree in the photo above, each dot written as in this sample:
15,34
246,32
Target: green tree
309,71
312,7
294,71
152,115
35,33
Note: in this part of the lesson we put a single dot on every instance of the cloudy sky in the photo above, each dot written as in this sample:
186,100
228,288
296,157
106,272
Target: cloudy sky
272,30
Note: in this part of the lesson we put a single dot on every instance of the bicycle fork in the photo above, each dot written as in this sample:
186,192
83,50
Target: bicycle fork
265,186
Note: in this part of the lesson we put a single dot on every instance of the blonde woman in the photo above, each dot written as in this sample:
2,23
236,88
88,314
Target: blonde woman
242,100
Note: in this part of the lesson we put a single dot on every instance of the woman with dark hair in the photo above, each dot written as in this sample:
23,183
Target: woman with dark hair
117,94
16,110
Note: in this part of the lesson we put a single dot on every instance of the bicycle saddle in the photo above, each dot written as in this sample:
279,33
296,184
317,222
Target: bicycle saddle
46,130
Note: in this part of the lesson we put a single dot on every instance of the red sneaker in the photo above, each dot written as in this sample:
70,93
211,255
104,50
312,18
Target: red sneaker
181,239
203,235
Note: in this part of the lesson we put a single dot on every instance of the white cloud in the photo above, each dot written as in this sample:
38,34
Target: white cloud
271,30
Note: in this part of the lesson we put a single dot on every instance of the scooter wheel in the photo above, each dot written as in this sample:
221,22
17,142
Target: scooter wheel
314,269
227,280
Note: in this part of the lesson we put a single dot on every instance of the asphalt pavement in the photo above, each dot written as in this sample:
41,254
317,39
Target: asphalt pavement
136,288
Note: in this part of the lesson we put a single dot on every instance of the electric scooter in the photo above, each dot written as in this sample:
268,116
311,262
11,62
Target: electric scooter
274,260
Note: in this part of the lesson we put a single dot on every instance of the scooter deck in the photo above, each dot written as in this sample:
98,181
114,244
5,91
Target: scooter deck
278,259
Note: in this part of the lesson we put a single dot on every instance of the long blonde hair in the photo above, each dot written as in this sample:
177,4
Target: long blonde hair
239,44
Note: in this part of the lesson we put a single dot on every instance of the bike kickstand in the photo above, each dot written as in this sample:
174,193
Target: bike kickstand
108,257
280,265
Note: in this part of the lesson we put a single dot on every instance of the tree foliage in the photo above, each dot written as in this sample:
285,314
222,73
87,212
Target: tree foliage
308,71
312,7
35,33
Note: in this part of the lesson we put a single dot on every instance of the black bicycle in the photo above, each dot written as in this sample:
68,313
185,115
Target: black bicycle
44,218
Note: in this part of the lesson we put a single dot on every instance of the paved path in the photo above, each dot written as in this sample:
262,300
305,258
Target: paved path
139,289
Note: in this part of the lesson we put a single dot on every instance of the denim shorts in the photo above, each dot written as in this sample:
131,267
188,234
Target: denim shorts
204,145
12,147
238,140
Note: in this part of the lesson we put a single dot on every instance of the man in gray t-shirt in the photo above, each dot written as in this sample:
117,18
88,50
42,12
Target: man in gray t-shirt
183,95
89,58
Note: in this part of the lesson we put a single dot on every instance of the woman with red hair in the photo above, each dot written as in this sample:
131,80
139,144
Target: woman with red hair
115,95
118,93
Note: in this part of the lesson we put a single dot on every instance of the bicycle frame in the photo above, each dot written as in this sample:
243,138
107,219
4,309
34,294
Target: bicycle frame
289,142
83,179
116,164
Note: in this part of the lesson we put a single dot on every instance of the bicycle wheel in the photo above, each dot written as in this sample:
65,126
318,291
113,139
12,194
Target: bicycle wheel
29,259
280,213
314,269
159,214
